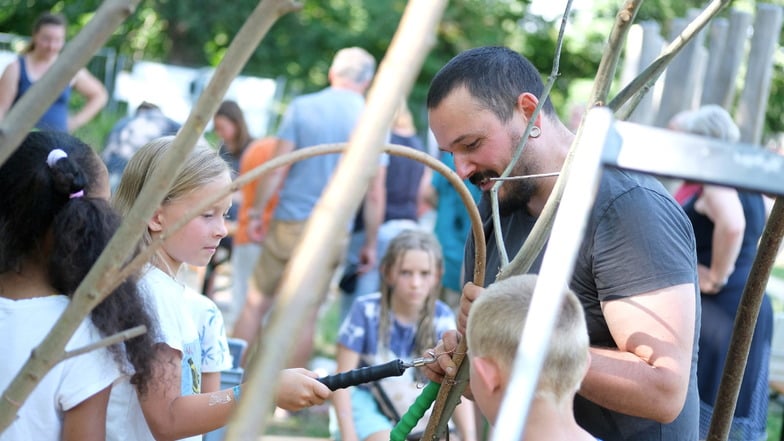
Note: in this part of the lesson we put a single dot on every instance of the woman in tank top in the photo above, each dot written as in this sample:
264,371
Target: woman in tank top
45,45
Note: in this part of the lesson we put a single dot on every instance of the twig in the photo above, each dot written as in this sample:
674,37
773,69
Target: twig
541,230
104,273
499,239
609,63
745,320
526,177
108,341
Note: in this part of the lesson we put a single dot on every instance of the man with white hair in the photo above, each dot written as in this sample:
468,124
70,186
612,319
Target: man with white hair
323,117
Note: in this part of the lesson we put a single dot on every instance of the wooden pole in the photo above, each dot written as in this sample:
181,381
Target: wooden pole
297,295
678,83
643,45
717,40
727,72
745,320
102,277
750,114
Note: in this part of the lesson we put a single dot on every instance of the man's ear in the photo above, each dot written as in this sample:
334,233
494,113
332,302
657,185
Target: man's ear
527,103
155,224
487,372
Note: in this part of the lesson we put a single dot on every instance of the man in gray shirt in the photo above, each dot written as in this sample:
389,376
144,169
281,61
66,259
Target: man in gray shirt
636,267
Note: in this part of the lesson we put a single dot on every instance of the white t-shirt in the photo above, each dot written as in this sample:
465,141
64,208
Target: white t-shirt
188,322
23,325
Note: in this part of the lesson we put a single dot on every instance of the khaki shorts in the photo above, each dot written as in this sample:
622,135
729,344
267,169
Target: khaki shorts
277,248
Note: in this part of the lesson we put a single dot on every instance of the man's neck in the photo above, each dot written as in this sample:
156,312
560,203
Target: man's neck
561,141
344,84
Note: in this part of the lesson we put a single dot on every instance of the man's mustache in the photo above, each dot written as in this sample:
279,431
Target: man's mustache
478,177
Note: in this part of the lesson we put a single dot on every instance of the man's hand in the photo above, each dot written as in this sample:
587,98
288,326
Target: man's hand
255,229
470,293
367,258
298,388
444,366
443,351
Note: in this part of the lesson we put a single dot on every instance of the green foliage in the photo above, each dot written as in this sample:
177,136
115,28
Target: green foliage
300,45
96,132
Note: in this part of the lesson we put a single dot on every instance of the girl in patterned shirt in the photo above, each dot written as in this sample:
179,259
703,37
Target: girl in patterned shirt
403,320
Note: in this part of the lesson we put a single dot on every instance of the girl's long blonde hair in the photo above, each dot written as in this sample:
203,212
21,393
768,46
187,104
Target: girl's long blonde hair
402,243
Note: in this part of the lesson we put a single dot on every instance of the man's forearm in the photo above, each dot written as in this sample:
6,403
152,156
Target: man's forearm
623,382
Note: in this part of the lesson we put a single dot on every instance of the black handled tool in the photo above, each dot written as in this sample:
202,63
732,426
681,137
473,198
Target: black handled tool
394,368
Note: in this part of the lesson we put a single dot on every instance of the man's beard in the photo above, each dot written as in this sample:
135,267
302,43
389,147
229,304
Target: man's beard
513,195
516,195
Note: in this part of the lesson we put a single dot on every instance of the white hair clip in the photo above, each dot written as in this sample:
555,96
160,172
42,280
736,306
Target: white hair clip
54,156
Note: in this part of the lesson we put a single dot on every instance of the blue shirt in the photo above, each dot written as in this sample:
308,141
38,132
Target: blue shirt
56,116
452,224
323,117
359,331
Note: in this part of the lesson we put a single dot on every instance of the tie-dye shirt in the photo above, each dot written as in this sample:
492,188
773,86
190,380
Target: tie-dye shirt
359,331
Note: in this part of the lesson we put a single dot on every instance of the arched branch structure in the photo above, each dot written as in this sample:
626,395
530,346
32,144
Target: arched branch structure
305,274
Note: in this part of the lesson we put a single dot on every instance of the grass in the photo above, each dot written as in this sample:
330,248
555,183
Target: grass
312,423
775,411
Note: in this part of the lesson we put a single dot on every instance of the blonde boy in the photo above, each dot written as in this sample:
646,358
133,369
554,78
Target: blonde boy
493,331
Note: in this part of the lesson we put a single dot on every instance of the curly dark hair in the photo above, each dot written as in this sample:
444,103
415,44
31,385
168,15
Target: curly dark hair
39,216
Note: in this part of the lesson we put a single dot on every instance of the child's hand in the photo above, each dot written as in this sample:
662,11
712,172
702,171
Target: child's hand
298,388
470,293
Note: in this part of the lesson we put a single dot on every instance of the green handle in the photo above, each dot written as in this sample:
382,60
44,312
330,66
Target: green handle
415,412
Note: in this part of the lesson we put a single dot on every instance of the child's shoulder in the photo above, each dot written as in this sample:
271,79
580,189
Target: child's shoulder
198,300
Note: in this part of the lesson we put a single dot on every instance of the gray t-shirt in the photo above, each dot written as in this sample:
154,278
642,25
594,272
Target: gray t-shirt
324,117
637,240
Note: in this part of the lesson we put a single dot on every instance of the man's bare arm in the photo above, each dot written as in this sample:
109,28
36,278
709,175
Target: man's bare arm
648,375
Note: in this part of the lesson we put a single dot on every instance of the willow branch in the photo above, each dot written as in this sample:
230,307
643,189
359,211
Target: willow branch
745,321
23,115
297,296
627,99
94,287
541,230
607,67
108,341
521,146
451,389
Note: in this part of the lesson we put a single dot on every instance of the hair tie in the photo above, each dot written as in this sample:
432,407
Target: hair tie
77,194
54,156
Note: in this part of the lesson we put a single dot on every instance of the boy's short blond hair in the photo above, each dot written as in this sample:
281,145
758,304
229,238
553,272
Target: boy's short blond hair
495,324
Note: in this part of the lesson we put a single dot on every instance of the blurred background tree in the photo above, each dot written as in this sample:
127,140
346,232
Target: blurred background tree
299,47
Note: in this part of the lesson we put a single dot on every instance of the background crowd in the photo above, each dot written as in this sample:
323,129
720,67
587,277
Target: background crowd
400,274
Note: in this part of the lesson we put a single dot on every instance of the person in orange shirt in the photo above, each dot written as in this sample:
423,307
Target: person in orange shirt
245,312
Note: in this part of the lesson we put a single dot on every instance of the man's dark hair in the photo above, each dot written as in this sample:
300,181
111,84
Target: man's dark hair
494,75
